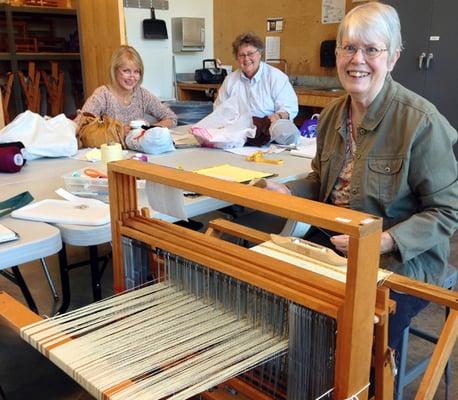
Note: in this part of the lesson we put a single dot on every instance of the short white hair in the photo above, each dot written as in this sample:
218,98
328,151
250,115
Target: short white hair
372,21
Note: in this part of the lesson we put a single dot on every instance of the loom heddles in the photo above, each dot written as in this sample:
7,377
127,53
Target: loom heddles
306,372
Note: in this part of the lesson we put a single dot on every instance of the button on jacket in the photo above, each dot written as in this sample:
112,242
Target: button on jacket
404,171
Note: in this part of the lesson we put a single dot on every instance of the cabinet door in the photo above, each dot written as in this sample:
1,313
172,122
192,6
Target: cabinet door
442,75
101,31
430,27
414,28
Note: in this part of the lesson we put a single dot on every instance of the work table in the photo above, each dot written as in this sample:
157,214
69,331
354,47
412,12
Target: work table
307,96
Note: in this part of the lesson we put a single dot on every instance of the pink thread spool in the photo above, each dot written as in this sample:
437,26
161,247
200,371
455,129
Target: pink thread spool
11,159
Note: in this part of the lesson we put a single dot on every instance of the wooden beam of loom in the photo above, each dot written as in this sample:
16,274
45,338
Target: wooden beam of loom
355,315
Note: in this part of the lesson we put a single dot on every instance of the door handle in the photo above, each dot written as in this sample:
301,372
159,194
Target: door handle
428,60
420,60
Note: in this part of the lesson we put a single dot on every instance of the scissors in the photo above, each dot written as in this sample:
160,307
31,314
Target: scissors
93,173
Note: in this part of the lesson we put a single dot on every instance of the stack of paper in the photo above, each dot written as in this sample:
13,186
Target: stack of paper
305,149
234,174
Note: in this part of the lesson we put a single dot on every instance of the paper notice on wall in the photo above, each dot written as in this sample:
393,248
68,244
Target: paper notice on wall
275,24
272,47
332,11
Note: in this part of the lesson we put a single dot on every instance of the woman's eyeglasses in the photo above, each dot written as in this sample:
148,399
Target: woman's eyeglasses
369,52
128,72
247,55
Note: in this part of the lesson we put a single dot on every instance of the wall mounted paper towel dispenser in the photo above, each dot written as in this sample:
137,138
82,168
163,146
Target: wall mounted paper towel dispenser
188,34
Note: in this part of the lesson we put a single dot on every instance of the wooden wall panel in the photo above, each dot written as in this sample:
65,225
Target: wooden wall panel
101,31
301,37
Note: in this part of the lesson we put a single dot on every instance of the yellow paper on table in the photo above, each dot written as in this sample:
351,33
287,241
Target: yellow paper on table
231,173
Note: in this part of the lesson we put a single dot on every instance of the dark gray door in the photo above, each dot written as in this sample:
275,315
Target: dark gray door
429,62
414,28
442,76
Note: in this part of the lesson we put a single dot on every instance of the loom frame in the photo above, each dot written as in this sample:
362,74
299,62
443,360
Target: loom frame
127,218
354,312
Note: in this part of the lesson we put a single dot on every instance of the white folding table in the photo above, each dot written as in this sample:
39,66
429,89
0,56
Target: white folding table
37,240
43,176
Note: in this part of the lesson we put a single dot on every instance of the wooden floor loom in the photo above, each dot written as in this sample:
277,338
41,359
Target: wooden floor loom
327,326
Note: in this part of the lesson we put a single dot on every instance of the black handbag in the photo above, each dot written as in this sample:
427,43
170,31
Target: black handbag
210,75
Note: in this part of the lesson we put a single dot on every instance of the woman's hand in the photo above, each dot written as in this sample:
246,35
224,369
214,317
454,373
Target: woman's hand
277,187
341,243
273,118
278,115
164,123
387,243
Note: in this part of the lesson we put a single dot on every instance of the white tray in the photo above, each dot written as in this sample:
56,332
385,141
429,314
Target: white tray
65,212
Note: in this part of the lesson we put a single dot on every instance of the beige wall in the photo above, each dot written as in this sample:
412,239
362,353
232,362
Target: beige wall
300,39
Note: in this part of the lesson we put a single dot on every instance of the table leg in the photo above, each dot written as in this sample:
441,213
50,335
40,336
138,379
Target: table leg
95,273
64,280
24,289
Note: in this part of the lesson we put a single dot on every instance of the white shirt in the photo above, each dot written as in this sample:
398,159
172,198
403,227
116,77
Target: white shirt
268,92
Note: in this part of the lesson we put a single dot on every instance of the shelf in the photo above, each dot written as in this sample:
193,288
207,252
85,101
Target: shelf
39,10
40,56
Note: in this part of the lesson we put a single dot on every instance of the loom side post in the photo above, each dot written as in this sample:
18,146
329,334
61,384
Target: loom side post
384,379
123,202
355,322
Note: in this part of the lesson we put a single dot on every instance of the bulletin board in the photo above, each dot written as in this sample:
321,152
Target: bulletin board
300,38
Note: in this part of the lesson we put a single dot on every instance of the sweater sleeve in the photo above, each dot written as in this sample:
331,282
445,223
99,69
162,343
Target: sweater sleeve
154,107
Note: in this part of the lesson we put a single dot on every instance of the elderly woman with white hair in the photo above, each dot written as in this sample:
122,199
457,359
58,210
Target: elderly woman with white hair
387,151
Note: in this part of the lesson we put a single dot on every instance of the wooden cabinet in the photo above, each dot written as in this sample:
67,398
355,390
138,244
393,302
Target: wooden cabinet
38,43
78,40
197,91
317,98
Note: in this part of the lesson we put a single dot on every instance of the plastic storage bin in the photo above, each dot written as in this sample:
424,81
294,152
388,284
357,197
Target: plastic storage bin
79,184
190,112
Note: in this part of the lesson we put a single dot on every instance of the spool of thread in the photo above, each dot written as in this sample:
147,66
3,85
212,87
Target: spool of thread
11,159
111,152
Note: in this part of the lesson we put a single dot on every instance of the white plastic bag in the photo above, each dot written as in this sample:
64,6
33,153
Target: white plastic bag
283,131
42,137
228,126
155,140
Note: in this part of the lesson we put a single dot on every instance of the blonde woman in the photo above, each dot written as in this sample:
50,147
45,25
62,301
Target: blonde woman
123,98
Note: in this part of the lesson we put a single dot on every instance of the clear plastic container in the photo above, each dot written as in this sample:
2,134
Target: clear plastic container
79,184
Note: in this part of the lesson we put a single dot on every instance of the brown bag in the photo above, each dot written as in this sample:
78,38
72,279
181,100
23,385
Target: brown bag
95,131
